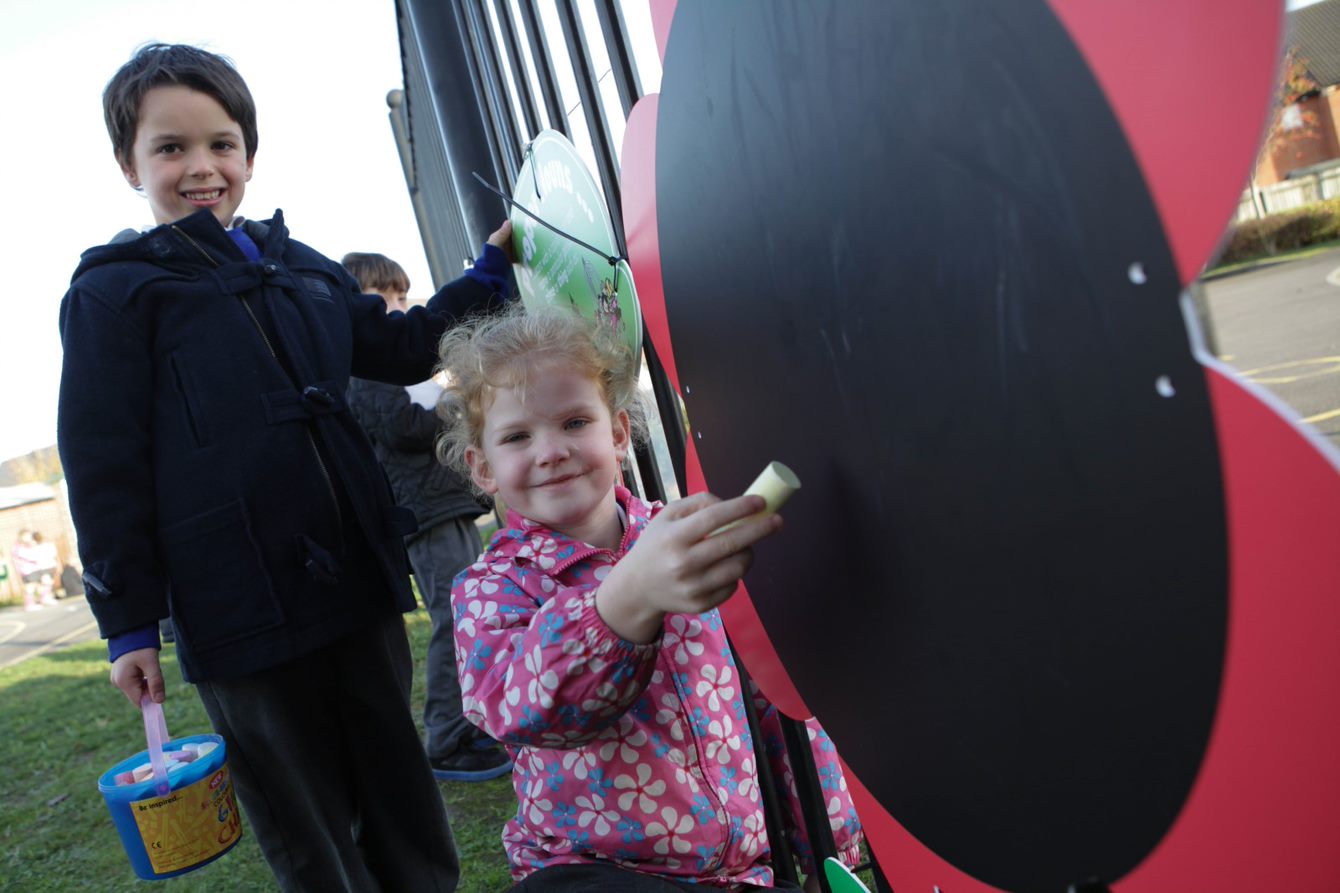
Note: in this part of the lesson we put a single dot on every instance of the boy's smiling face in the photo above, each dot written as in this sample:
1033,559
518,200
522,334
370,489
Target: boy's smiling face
188,154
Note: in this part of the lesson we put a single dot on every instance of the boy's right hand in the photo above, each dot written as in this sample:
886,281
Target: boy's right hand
136,672
678,567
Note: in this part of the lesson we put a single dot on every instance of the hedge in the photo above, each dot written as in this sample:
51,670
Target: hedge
1283,232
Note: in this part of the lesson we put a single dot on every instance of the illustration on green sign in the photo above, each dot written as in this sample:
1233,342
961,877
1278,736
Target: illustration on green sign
555,267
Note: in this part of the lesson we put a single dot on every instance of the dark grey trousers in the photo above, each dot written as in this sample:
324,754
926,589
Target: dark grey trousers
438,556
330,770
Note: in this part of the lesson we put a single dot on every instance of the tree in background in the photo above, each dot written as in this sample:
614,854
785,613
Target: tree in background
1294,126
38,467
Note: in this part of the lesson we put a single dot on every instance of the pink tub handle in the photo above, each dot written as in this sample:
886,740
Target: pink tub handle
156,733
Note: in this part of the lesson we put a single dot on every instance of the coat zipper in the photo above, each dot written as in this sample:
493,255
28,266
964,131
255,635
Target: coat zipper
684,697
685,700
320,463
592,550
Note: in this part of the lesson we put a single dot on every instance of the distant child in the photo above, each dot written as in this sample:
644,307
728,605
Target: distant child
215,473
446,541
30,563
48,567
587,633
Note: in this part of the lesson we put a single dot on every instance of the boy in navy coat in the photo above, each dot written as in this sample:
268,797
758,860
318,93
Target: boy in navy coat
216,473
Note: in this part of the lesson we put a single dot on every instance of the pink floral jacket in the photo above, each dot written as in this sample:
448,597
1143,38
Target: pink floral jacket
636,753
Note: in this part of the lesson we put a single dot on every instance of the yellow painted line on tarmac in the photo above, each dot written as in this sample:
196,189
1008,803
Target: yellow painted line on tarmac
1322,416
1329,366
74,633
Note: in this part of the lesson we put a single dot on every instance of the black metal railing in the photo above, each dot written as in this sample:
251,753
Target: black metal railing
469,82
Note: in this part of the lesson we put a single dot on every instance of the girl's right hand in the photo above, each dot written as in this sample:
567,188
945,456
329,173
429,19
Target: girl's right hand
137,673
679,567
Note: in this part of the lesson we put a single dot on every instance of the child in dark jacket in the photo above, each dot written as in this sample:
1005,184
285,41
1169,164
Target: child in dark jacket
215,472
404,436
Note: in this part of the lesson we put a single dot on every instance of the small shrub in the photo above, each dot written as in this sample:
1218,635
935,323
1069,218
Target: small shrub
1279,233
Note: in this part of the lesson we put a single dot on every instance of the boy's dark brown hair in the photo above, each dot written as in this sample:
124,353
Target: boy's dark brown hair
174,64
375,272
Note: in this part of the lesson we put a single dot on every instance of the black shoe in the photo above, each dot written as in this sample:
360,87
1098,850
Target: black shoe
469,764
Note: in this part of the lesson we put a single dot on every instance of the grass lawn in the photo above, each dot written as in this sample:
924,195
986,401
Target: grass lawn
65,725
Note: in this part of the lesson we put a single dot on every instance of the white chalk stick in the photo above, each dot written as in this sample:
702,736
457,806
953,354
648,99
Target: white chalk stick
775,484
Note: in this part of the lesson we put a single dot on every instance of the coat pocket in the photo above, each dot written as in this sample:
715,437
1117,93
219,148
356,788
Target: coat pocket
220,591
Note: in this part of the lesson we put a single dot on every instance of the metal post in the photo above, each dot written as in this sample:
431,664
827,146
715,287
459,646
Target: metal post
607,165
544,66
811,796
456,104
621,57
439,265
514,55
672,420
783,863
488,76
650,473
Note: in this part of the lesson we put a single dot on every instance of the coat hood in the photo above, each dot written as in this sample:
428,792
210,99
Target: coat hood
187,243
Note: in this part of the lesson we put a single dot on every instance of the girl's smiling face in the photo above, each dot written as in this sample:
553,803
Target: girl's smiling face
551,449
188,154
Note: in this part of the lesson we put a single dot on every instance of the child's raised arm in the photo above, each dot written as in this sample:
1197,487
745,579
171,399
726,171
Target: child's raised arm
679,566
550,668
538,666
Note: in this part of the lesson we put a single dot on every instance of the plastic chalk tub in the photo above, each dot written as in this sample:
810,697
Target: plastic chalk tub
184,813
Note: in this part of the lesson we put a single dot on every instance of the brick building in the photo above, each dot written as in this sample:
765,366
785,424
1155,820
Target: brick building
1308,136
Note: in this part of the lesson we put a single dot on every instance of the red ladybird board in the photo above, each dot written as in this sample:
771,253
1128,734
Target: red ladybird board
1061,589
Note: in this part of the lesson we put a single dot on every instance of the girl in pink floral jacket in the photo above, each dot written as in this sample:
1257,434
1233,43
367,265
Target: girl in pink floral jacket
604,669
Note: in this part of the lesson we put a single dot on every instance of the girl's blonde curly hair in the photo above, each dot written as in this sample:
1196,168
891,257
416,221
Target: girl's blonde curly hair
500,351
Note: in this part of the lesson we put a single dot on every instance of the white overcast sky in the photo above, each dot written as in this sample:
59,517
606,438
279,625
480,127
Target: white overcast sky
319,72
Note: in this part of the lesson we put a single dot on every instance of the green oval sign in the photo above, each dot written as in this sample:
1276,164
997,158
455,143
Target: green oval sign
555,185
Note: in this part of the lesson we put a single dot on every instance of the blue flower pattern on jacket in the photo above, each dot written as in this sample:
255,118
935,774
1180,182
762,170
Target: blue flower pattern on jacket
631,830
565,815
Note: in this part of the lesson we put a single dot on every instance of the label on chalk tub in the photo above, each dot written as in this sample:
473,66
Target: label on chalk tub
190,825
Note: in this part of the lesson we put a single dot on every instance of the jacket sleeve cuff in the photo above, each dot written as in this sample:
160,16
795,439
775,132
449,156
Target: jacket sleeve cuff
491,269
143,637
602,640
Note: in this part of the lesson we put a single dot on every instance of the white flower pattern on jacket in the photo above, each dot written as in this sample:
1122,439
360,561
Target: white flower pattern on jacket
636,753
